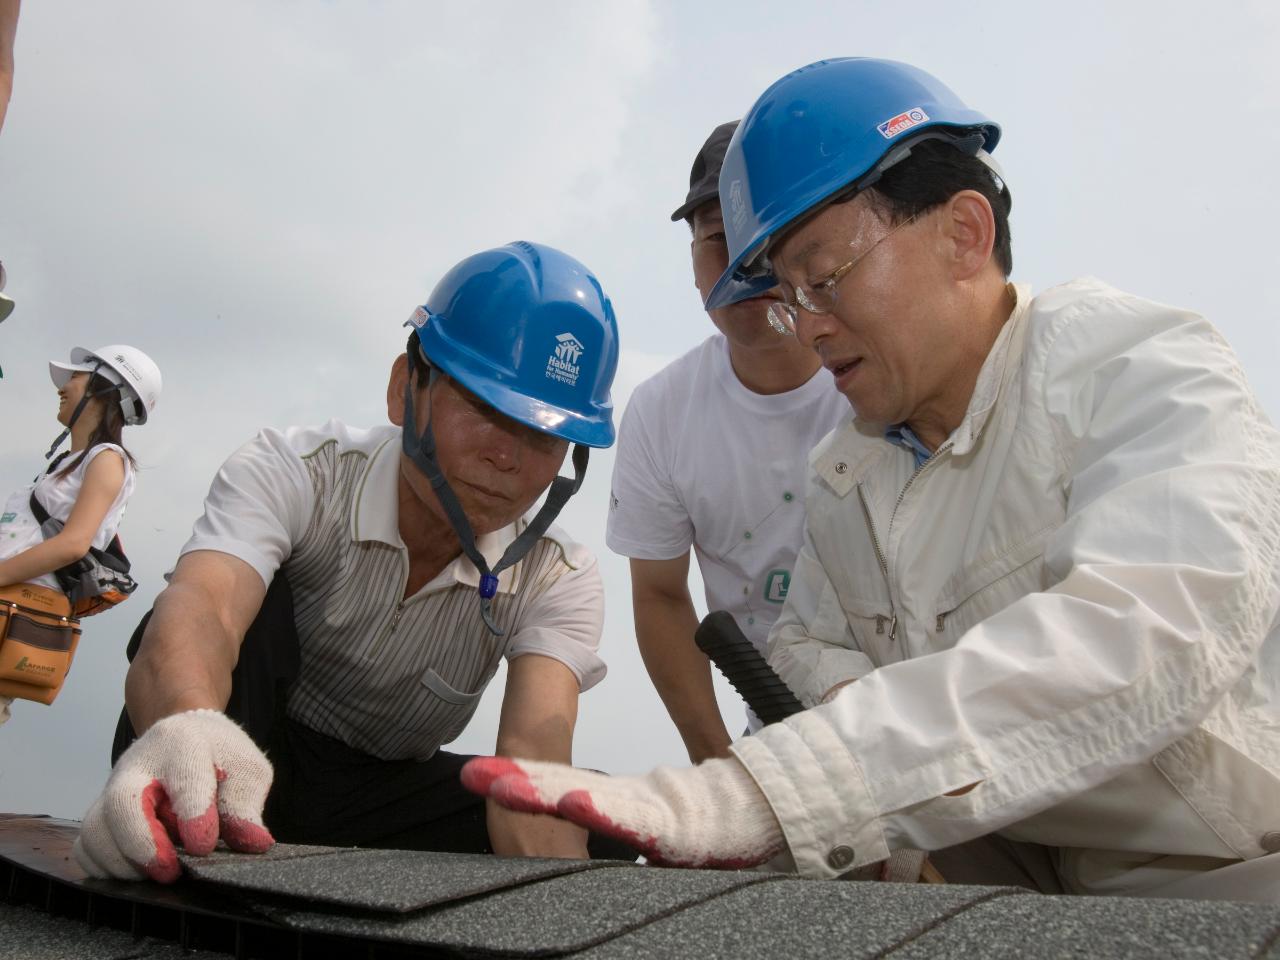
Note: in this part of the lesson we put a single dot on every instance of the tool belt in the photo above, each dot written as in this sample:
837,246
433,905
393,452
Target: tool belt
38,638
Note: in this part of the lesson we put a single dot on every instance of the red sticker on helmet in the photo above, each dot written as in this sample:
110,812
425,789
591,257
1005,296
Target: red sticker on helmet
903,121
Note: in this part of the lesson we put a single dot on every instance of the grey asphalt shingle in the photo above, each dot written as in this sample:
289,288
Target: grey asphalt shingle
460,905
281,851
30,934
1093,927
551,917
803,920
390,881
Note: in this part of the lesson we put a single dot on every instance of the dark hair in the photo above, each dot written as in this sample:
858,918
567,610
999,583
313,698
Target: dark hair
420,365
934,173
110,426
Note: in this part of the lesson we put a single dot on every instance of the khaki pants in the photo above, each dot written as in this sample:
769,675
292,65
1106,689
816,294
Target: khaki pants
995,861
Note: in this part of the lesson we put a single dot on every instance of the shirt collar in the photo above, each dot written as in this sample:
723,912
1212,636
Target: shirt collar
491,546
904,436
377,517
377,509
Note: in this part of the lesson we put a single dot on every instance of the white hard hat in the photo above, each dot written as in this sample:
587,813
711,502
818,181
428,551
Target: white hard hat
6,305
129,368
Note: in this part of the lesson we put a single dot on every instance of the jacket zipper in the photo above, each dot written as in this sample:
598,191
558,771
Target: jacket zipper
875,541
884,569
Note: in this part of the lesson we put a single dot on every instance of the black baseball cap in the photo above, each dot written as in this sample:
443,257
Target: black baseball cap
704,178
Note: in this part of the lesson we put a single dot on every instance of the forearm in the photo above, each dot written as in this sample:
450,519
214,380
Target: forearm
527,835
681,672
185,660
44,557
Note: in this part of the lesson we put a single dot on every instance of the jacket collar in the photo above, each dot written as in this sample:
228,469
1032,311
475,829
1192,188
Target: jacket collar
859,445
993,375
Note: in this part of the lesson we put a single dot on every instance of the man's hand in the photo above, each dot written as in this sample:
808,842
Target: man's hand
195,777
712,815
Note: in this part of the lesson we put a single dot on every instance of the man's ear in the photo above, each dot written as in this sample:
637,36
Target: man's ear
971,228
395,390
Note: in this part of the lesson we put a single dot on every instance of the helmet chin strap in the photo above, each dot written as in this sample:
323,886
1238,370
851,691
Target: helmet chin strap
75,414
421,449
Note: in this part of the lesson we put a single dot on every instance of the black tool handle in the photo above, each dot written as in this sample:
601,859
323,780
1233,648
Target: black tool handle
720,638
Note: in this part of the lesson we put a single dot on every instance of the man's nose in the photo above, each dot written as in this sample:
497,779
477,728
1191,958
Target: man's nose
811,328
502,448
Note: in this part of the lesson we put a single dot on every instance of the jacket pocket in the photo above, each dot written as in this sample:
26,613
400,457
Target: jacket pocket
874,628
983,589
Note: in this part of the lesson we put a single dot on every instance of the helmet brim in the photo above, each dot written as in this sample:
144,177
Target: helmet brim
60,373
540,415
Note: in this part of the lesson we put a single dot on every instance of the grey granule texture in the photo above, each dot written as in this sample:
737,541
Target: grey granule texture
1113,928
802,920
29,934
281,851
386,881
550,918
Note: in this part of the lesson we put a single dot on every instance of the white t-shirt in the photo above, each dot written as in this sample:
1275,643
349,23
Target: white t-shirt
18,528
704,462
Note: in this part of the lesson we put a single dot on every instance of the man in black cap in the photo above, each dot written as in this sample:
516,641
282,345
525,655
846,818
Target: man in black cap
712,455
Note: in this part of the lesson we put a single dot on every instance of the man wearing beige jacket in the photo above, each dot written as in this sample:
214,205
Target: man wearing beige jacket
1037,607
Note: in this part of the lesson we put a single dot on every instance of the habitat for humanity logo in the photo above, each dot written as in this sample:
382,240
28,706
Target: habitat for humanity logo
562,365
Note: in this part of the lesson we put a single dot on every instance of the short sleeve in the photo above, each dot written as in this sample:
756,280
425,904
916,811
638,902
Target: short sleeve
566,621
258,506
647,518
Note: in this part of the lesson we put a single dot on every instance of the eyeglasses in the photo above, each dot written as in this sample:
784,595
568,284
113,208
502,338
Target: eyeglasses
821,297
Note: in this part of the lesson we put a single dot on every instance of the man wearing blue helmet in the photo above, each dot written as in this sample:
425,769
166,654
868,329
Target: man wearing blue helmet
348,594
1036,616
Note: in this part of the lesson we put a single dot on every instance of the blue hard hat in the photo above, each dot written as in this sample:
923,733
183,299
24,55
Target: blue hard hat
528,330
830,125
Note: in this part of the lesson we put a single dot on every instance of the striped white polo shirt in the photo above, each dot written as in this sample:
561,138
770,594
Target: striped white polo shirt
394,677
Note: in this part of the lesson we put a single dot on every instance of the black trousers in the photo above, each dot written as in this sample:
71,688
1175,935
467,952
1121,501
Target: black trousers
326,792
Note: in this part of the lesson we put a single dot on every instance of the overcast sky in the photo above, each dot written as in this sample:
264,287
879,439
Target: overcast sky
257,194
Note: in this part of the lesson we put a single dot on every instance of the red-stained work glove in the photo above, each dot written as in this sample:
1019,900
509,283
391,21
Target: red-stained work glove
193,777
711,815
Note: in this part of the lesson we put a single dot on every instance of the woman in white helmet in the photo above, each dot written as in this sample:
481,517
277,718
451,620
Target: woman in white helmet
86,488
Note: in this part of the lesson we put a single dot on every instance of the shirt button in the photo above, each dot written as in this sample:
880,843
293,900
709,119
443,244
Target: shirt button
788,497
747,535
841,467
751,620
840,857
745,591
1270,842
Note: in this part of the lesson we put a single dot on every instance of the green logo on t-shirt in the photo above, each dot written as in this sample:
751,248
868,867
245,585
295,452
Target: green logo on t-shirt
8,518
776,584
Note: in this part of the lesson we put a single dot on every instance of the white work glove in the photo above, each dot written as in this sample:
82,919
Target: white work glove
193,776
711,815
903,866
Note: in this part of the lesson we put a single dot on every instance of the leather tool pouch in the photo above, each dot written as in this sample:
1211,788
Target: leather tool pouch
38,640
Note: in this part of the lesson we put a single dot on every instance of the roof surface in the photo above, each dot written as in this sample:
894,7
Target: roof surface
323,901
